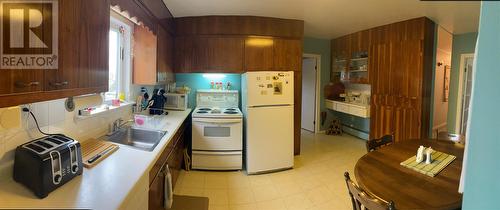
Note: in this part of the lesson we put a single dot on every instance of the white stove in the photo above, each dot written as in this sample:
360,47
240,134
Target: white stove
216,112
217,131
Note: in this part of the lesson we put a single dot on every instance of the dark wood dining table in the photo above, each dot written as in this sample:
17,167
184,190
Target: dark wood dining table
379,173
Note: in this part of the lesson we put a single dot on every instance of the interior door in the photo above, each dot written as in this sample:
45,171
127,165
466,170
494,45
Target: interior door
308,94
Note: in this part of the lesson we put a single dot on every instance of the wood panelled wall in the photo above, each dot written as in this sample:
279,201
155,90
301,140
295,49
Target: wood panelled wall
237,44
400,69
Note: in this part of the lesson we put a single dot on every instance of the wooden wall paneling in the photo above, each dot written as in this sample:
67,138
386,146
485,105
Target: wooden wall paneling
144,63
297,110
287,54
239,25
259,54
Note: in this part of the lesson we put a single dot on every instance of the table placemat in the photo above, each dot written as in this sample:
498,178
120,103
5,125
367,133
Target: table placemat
439,162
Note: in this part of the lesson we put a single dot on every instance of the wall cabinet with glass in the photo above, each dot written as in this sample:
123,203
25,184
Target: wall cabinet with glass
358,68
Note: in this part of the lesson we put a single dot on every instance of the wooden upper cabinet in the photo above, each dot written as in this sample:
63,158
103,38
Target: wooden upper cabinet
209,54
360,41
259,54
144,56
288,54
83,46
273,54
165,56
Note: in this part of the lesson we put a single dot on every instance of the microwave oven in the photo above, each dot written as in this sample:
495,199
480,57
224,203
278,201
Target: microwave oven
176,101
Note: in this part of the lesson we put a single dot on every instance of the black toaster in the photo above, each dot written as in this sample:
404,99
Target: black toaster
46,163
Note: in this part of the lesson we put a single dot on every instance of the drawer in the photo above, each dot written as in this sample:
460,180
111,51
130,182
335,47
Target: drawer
217,160
342,107
358,111
329,104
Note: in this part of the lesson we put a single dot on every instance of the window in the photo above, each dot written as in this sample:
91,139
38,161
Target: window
119,58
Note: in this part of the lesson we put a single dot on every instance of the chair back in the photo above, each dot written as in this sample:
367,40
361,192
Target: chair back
445,136
374,144
361,200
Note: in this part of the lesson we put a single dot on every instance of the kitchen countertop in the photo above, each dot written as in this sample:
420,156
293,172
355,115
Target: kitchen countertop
105,186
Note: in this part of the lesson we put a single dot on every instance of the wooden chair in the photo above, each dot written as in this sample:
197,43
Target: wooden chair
374,144
362,200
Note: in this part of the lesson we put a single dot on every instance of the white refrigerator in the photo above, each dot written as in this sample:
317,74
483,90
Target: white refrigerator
267,103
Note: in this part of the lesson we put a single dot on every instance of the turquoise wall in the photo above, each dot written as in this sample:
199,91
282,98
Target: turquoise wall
482,188
321,47
462,44
197,81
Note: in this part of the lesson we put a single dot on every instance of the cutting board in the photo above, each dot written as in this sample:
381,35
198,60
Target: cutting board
93,147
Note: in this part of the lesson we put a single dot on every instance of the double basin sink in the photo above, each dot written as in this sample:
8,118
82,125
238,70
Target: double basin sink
138,138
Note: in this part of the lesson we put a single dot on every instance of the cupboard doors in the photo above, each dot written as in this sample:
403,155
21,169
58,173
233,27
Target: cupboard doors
83,46
287,54
209,54
21,80
165,55
218,54
144,56
94,44
157,191
259,54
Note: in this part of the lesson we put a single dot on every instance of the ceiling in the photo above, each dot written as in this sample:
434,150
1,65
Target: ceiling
334,18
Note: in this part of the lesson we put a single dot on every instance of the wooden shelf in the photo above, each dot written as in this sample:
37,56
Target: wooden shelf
359,59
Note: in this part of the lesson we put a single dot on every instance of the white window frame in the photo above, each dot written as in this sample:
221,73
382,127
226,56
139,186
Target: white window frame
118,23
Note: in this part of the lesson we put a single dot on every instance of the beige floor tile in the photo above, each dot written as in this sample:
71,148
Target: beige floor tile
320,195
218,207
265,193
297,201
288,189
260,180
192,191
316,182
216,181
238,181
251,206
217,196
241,196
276,204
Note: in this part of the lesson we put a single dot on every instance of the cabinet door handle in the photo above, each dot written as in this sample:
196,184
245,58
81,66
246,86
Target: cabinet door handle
58,84
20,84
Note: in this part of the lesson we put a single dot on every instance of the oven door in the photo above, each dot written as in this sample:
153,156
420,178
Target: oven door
211,134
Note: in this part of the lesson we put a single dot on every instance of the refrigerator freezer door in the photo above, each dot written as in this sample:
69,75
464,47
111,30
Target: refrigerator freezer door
269,138
268,88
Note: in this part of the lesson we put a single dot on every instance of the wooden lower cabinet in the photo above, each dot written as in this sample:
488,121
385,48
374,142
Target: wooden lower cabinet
173,158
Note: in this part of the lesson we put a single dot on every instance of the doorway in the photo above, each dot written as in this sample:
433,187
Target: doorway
311,77
464,94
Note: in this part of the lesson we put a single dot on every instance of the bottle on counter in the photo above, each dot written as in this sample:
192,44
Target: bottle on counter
212,85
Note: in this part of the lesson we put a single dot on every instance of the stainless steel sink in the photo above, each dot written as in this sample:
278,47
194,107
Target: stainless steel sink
136,137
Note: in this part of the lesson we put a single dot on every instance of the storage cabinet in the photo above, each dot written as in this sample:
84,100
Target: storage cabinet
173,158
165,56
399,68
273,54
82,56
209,54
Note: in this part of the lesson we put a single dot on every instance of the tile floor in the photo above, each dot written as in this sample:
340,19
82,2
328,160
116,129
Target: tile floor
316,182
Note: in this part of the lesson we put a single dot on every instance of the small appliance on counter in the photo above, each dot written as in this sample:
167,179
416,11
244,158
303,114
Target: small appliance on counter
47,163
157,102
176,101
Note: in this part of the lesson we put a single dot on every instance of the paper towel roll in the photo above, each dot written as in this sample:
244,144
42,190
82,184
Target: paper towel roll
87,101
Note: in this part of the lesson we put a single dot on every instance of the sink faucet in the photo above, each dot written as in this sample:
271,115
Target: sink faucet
116,125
